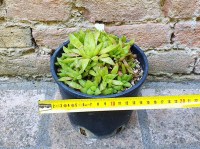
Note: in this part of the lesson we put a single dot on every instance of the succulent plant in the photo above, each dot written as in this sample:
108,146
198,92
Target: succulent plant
98,63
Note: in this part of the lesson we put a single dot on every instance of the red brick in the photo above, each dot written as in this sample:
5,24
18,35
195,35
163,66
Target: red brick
120,10
181,8
171,62
188,34
48,10
51,37
145,35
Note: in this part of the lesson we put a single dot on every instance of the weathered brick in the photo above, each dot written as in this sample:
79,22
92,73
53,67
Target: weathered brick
188,34
120,11
197,68
171,62
43,64
2,13
181,9
51,37
146,35
15,37
25,65
48,10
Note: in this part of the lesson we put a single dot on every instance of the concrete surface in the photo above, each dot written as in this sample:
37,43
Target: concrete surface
21,127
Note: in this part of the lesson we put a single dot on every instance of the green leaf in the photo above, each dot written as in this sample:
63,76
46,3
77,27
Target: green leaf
109,76
84,64
104,71
126,77
127,84
104,56
126,49
97,92
130,70
97,79
116,82
92,73
90,92
83,53
96,36
98,48
118,87
64,79
95,58
84,90
79,77
68,60
73,85
66,50
68,70
88,84
115,69
107,91
108,49
93,88
82,82
89,43
103,85
123,39
75,42
81,36
131,42
112,40
108,60
76,51
123,69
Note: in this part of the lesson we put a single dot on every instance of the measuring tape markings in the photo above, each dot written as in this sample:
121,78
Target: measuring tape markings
124,103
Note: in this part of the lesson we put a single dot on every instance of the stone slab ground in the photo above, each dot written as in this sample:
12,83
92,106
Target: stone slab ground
21,127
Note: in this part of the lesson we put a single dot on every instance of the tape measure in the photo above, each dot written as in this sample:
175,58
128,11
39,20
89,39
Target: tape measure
124,103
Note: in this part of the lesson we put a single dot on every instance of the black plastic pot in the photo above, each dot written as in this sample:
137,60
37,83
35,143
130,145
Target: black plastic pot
99,124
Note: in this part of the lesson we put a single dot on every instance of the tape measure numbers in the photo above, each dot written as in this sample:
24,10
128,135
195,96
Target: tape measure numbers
125,103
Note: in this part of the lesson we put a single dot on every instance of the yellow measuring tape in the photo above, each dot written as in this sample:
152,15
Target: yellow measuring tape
124,103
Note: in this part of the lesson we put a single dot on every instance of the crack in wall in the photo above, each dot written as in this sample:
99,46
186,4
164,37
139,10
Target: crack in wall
197,60
1,2
33,39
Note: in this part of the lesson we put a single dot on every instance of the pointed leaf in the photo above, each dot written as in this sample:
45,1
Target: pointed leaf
65,79
81,36
116,82
82,82
108,60
96,36
97,92
89,43
75,41
73,85
127,84
66,50
92,73
103,85
98,48
84,63
108,91
115,69
123,69
108,49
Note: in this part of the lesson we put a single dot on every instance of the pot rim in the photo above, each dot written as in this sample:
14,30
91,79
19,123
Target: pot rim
80,94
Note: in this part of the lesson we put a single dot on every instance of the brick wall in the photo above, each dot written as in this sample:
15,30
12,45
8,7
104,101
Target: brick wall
167,30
